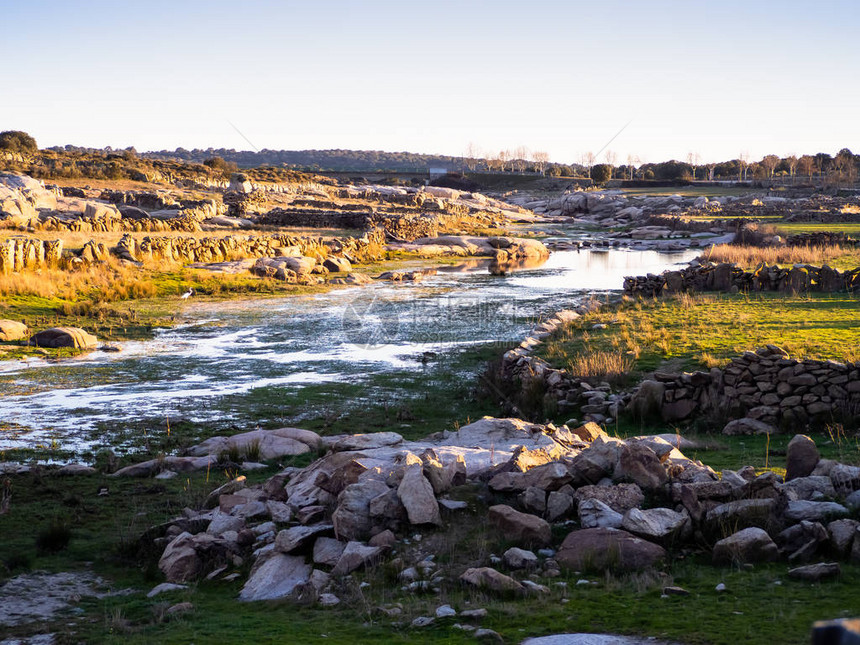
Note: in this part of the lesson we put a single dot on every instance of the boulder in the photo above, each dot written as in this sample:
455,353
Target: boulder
489,579
276,576
638,464
748,426
747,546
337,265
661,525
64,337
801,458
516,558
846,479
352,518
558,505
841,534
297,538
416,494
367,441
595,514
11,330
518,527
805,510
606,548
354,556
740,513
180,562
620,498
327,551
811,488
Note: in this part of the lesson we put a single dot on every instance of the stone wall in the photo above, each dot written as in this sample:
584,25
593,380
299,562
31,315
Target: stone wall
21,253
233,247
761,391
729,278
765,386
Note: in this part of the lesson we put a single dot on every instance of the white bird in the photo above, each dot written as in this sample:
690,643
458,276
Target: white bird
187,294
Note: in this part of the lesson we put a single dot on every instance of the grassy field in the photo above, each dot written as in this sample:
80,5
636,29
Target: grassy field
794,228
695,332
690,191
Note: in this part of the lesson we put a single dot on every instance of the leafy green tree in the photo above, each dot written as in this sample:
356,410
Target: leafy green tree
17,141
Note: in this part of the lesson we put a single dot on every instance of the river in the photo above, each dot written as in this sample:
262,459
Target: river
223,356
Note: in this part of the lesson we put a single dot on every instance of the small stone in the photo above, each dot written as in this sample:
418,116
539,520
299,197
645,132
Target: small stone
675,591
445,611
423,621
164,587
179,608
328,600
720,587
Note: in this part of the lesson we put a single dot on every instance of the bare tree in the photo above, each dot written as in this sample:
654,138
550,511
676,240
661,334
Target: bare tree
743,164
805,165
541,160
693,159
632,160
791,161
611,158
503,157
587,160
472,155
769,164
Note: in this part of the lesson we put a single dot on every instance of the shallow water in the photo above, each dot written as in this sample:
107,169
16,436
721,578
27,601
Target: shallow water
241,347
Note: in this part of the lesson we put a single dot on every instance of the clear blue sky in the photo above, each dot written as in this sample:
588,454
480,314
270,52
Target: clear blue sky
716,78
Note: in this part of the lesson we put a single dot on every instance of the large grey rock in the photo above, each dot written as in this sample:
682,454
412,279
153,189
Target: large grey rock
747,546
620,498
846,479
416,494
748,426
595,514
558,505
842,534
801,458
516,558
276,576
263,444
813,487
223,522
740,513
354,556
521,528
661,525
604,548
804,510
367,441
815,572
351,518
297,538
327,551
638,464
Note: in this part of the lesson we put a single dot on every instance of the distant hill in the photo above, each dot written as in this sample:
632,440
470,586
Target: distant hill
319,160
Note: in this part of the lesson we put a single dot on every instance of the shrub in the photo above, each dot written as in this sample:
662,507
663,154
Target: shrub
54,538
17,141
601,173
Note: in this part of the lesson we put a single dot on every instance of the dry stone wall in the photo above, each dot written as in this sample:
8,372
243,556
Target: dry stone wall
761,391
729,278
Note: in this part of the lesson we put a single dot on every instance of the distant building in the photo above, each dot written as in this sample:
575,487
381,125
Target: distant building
435,173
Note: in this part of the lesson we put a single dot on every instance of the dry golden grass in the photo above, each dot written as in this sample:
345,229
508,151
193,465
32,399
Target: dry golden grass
108,281
604,365
835,255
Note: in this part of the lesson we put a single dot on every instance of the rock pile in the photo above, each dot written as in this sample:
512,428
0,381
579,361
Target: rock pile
306,528
729,278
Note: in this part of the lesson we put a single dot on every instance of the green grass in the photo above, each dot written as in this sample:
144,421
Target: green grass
692,332
690,191
794,228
